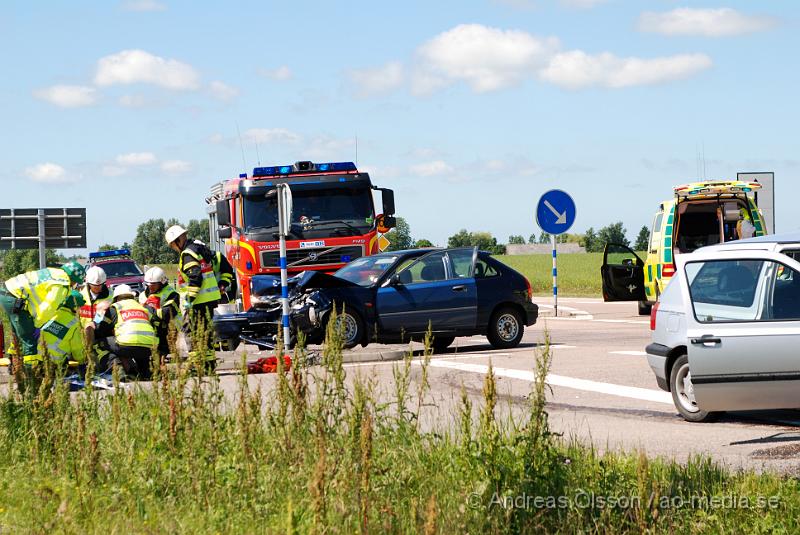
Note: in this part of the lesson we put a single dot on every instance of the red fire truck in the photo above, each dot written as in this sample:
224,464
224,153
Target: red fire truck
333,219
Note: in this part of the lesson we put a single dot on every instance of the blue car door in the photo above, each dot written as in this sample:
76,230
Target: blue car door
427,292
463,289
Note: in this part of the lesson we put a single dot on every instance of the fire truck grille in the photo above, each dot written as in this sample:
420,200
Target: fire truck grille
303,258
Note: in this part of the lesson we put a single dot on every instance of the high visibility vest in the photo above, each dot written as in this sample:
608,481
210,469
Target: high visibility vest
133,327
217,264
89,308
44,291
62,337
164,298
209,288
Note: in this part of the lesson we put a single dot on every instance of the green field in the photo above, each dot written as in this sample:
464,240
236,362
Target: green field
578,274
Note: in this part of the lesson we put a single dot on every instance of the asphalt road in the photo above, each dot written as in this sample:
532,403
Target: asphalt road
602,390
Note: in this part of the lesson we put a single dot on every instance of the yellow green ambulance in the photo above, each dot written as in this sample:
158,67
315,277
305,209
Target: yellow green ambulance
699,214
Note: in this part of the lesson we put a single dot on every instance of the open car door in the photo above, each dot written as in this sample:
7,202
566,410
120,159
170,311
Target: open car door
622,274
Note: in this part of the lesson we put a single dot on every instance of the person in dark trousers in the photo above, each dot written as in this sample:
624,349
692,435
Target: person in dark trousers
134,336
164,305
208,275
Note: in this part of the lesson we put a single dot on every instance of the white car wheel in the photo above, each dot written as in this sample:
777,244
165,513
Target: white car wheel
683,392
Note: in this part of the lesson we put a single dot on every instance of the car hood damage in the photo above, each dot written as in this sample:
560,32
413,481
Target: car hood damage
308,309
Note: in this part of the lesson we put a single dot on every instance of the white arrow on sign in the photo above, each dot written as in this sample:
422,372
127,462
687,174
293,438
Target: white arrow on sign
562,218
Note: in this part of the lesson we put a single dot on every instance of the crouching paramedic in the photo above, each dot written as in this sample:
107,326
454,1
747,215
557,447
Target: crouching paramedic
96,296
134,337
62,336
32,299
196,264
163,303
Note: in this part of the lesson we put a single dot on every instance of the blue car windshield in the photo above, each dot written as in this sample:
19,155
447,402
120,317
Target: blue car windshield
366,271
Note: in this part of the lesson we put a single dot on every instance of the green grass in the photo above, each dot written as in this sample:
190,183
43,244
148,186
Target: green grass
319,452
578,274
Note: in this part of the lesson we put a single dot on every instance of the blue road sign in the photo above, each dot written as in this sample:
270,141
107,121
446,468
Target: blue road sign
555,212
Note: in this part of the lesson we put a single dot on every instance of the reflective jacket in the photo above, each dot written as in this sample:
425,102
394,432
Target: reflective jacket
44,291
196,263
89,308
62,337
164,307
132,324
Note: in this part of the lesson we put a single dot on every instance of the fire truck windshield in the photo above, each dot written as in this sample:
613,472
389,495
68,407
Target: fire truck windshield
316,211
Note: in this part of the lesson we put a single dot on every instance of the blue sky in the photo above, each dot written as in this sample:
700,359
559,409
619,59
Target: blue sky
469,110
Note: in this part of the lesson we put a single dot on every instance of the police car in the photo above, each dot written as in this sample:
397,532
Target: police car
120,268
700,214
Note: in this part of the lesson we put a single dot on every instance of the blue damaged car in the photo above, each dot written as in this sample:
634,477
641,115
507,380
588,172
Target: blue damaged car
395,297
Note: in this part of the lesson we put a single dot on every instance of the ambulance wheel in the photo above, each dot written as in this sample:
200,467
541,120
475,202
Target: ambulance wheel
644,308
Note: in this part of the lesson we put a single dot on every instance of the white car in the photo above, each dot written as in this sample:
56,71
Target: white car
726,330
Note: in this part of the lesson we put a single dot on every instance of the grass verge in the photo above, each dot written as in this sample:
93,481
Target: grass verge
321,452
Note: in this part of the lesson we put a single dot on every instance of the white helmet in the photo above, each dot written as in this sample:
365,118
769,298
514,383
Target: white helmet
95,275
155,274
174,232
123,289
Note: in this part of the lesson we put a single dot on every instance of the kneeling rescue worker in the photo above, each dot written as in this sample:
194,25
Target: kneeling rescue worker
135,338
163,304
209,275
96,297
62,336
32,299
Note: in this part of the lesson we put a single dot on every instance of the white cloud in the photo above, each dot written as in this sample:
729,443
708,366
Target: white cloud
113,170
434,168
281,74
525,5
269,135
138,66
223,91
68,96
134,101
176,167
136,158
47,173
577,69
582,4
216,139
143,5
486,58
706,22
376,81
329,148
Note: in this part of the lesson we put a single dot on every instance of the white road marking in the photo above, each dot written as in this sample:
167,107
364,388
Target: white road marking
591,318
644,394
631,353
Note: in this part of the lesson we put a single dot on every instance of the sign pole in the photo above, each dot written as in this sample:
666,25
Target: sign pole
42,252
555,214
555,277
284,222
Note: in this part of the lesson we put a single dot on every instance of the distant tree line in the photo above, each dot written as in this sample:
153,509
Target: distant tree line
592,240
150,247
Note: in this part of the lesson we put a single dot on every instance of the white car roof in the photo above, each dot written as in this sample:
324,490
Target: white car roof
770,241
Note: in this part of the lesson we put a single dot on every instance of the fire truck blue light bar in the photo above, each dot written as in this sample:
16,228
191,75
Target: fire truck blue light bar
276,170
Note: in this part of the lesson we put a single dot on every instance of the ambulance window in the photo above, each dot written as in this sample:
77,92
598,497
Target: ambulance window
656,230
794,254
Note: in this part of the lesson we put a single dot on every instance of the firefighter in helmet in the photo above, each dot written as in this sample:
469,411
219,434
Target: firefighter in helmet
208,275
163,303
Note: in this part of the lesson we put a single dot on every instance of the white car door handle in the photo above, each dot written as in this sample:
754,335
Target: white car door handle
706,339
